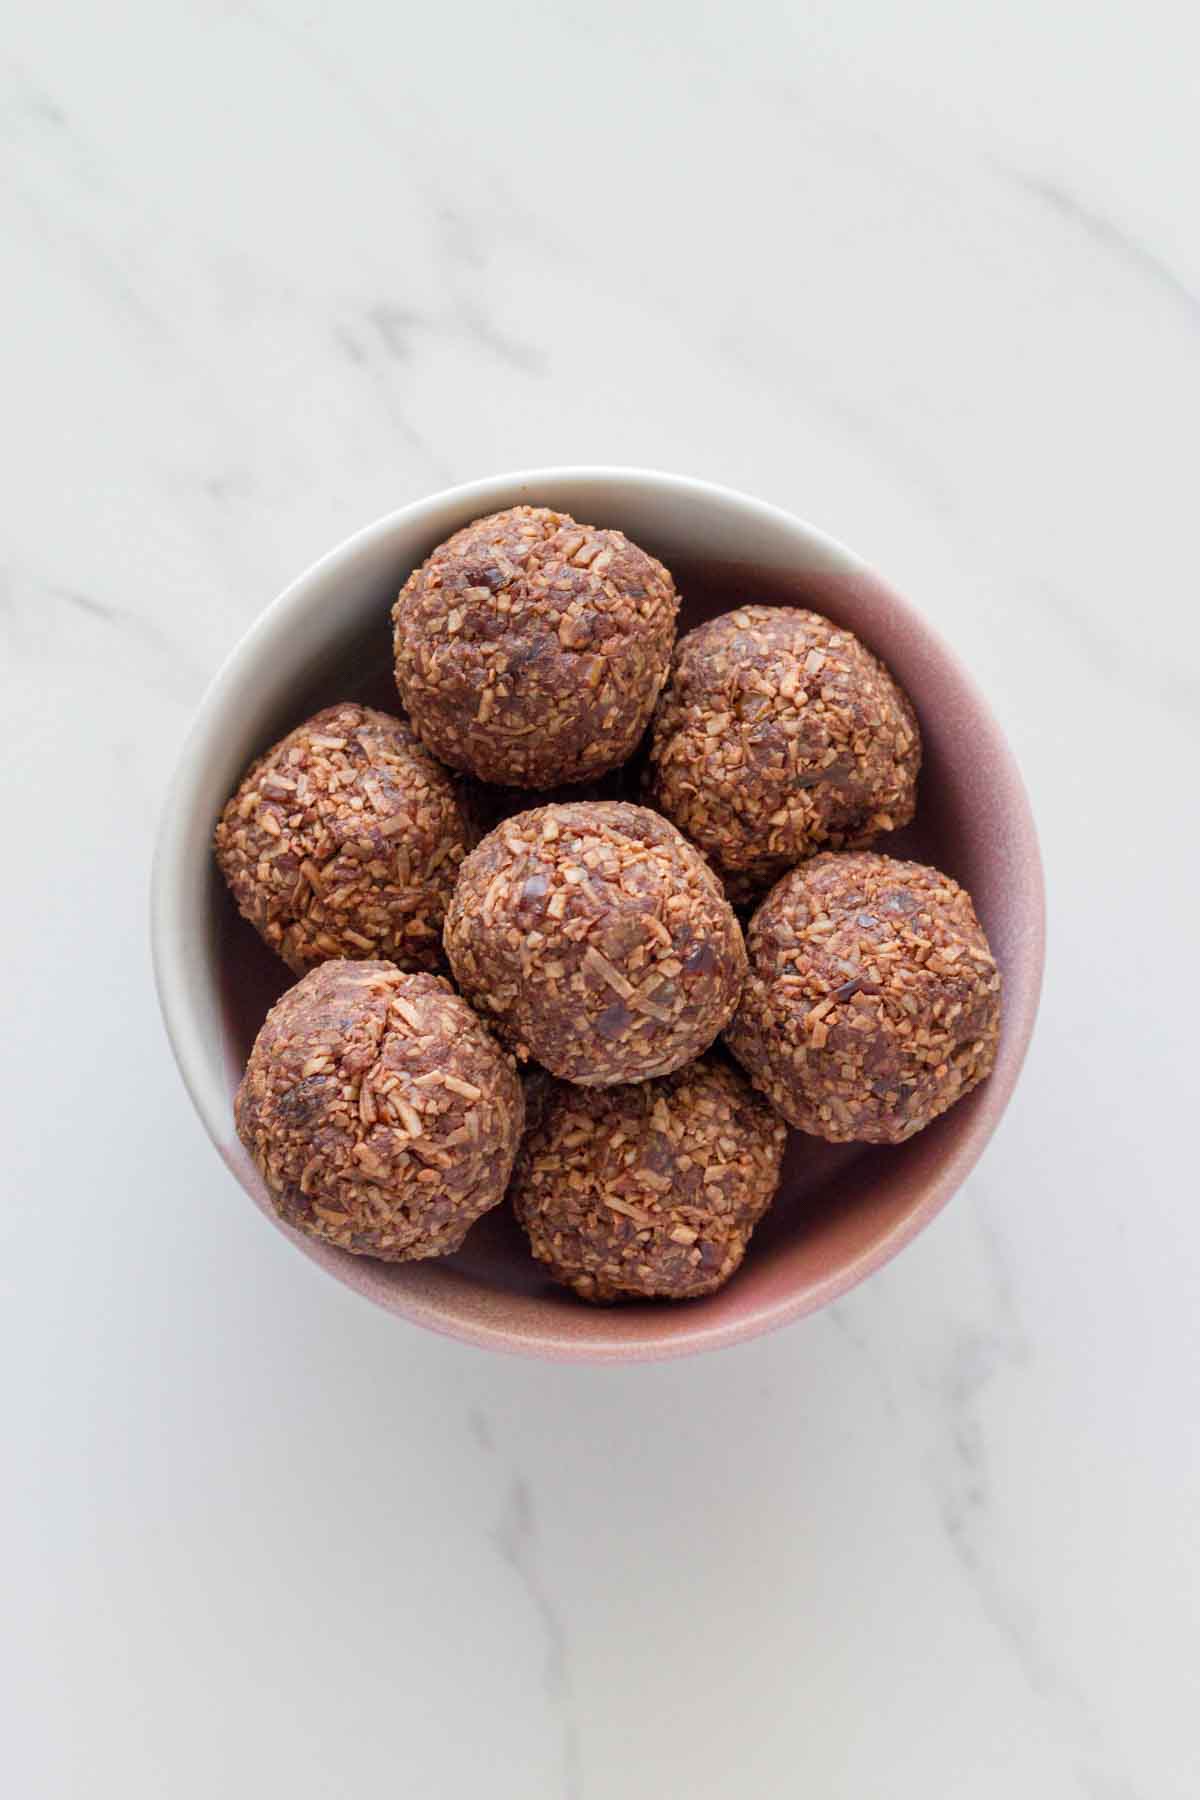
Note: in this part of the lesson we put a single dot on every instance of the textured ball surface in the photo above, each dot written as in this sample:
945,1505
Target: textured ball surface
873,999
380,1112
778,734
344,840
530,649
597,940
649,1190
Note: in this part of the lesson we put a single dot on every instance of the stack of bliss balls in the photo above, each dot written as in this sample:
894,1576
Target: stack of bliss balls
540,1013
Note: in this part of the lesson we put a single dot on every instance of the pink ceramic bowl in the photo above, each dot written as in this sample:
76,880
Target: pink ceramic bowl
842,1210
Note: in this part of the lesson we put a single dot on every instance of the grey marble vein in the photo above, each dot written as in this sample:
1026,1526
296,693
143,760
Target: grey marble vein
785,366
183,675
1113,237
370,352
1165,681
233,484
119,618
474,322
978,1356
462,241
841,1315
38,104
515,1537
400,328
84,247
396,326
458,238
480,1428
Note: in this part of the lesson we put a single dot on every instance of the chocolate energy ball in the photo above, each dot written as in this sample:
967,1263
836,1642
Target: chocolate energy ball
530,649
597,940
380,1112
345,840
779,734
873,999
633,1192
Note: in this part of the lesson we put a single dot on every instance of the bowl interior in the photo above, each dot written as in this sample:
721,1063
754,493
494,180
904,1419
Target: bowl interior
841,1210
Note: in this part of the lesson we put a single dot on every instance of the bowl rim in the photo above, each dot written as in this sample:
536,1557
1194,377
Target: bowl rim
167,883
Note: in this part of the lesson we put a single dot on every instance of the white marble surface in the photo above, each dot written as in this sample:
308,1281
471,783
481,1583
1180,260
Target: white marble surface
926,273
